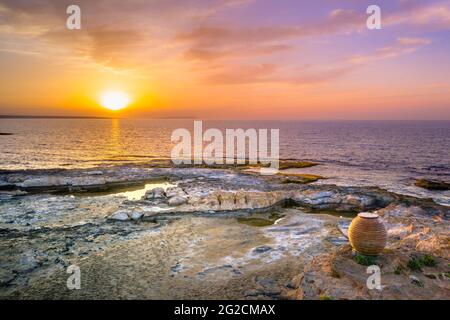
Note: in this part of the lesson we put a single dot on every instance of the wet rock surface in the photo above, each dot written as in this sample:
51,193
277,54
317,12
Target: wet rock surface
214,233
433,184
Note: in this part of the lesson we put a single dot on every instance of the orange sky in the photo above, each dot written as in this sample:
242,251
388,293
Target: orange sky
227,59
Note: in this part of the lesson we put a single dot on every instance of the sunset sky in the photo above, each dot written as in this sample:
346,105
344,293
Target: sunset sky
227,59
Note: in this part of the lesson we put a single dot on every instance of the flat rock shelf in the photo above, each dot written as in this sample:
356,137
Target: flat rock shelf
162,232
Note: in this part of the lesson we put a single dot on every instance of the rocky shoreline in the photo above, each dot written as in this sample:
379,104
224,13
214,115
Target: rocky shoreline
221,233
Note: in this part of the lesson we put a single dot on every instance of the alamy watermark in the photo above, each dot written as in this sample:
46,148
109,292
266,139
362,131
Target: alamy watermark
73,21
374,20
239,146
374,280
74,280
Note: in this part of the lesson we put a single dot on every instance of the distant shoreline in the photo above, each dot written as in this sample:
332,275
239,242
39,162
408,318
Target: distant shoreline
2,116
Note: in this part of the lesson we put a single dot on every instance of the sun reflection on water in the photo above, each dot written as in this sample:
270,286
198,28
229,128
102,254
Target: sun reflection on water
138,194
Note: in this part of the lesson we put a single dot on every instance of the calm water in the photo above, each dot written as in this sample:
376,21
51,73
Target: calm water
388,154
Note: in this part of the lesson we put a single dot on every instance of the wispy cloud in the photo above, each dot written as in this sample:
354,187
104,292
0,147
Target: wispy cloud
210,42
421,14
402,47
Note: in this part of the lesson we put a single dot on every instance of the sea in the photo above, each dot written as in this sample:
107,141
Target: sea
387,154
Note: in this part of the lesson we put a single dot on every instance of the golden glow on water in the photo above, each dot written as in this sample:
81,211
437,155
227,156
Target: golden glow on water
138,194
115,138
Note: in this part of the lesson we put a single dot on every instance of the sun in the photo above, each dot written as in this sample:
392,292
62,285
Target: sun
114,100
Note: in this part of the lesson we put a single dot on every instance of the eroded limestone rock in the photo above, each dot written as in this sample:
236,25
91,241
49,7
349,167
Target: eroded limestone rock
432,184
136,215
120,216
175,191
156,193
177,201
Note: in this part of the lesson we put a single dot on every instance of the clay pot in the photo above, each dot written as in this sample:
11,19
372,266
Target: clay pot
367,234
